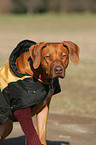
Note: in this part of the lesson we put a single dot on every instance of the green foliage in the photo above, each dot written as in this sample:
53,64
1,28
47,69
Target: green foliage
19,6
41,6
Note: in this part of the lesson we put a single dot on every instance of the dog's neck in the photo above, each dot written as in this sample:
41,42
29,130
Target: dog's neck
25,66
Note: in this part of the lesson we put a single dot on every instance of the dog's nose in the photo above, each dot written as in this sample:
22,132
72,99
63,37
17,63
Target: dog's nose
58,70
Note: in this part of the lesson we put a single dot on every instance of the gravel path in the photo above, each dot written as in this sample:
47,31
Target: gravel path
61,130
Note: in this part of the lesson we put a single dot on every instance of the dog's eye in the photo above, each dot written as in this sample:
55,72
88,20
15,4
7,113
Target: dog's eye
63,55
47,57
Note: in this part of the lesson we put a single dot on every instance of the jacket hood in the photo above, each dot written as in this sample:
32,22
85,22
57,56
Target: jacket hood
21,48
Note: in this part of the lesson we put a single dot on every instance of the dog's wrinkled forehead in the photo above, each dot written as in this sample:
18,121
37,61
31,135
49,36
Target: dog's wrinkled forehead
54,49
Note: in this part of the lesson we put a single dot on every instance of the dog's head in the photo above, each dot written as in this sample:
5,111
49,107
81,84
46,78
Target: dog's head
54,57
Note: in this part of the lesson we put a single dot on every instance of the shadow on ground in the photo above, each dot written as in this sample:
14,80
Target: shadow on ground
21,140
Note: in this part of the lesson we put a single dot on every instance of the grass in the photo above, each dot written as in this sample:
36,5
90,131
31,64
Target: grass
79,86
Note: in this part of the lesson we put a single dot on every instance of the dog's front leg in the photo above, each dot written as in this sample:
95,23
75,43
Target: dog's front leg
41,124
5,129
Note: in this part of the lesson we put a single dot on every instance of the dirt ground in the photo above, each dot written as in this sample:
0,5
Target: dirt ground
61,130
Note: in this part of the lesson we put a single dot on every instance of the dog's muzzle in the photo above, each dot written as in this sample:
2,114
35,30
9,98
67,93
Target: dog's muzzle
57,70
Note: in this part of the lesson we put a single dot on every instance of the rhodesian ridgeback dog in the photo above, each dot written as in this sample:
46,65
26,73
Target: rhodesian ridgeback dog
48,61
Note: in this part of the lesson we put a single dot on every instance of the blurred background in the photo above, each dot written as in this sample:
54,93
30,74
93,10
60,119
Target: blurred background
57,20
42,6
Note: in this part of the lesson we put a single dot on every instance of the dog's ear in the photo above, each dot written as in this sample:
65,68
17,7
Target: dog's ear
35,53
73,51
